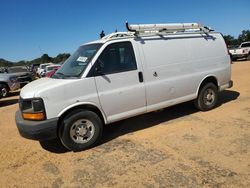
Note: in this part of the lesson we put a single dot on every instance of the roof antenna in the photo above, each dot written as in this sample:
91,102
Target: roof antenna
102,34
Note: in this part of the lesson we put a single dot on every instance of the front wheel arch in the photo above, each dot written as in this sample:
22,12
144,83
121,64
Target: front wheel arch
83,107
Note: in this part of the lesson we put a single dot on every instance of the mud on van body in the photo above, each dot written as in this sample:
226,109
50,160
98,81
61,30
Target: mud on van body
124,75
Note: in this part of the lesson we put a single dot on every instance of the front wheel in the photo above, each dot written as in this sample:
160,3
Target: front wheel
248,57
4,90
207,97
80,130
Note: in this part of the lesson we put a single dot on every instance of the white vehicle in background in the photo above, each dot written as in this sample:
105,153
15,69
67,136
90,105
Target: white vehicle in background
122,75
42,67
243,51
49,68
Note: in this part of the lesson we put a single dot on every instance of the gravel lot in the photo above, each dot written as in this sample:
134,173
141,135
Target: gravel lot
175,147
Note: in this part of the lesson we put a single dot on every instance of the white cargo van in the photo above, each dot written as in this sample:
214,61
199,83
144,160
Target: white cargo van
122,75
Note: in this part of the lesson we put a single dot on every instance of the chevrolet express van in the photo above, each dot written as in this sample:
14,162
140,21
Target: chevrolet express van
125,74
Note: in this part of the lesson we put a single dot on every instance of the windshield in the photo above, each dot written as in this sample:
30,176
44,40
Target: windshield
245,45
52,68
43,66
75,65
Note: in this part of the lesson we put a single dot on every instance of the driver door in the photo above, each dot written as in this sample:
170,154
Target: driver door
120,89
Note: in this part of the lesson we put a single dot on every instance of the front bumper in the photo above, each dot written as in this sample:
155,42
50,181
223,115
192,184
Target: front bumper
236,56
36,130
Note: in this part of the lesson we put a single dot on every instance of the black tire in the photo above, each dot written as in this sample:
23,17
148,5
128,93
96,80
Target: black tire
248,57
4,90
80,130
1,94
207,97
234,59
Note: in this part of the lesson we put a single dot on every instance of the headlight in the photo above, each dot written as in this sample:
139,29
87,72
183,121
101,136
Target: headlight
32,109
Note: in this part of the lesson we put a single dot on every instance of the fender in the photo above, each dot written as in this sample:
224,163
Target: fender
82,104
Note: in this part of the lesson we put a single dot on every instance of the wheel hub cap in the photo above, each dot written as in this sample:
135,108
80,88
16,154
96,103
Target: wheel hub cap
209,97
4,92
82,131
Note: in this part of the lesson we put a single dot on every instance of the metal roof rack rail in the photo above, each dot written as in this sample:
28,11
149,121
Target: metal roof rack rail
118,35
154,29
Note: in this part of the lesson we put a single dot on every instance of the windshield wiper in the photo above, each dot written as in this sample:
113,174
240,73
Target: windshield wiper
56,75
65,75
60,73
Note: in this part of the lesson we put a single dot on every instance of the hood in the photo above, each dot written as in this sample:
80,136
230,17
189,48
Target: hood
21,73
6,75
43,85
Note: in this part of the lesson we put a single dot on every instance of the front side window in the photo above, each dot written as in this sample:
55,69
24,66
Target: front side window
117,57
75,65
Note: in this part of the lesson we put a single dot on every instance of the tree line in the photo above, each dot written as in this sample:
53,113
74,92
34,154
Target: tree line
45,58
243,37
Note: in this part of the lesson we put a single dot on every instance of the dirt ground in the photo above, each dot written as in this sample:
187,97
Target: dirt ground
175,147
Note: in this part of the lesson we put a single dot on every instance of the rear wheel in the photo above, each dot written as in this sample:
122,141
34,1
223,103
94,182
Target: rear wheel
4,90
207,97
80,130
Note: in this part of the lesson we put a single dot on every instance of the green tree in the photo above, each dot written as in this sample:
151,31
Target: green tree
60,58
244,36
230,40
45,58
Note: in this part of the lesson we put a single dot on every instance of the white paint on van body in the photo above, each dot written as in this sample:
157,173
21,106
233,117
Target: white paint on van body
173,68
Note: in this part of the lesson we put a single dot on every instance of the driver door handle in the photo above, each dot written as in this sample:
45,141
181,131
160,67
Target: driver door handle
140,75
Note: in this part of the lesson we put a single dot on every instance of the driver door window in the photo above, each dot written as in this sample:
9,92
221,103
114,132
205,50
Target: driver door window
118,57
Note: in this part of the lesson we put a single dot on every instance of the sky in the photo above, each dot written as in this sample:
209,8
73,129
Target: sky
30,28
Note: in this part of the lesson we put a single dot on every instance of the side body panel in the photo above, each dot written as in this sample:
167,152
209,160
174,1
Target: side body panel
174,66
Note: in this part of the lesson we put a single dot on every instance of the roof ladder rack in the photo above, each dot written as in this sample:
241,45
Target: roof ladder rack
118,35
166,28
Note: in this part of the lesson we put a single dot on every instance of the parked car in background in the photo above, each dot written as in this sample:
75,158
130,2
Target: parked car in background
24,75
8,82
243,51
51,73
41,68
49,68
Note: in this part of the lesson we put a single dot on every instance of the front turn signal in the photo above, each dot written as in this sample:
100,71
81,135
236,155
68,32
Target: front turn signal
33,116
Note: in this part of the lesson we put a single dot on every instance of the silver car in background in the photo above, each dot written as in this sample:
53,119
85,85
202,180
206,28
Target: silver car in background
8,82
23,74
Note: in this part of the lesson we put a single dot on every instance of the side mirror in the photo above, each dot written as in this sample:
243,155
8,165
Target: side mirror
98,70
